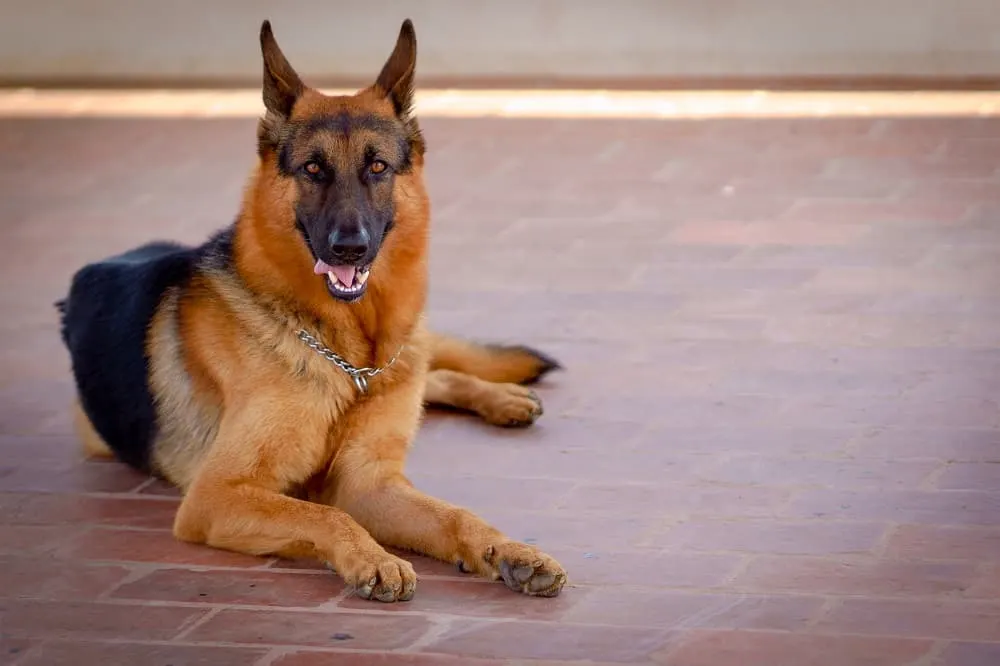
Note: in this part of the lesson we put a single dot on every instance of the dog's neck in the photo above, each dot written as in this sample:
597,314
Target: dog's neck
273,260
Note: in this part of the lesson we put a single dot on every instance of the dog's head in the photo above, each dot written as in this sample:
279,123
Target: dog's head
340,158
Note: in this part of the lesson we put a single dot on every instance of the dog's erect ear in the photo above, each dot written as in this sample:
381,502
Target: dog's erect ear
396,77
282,86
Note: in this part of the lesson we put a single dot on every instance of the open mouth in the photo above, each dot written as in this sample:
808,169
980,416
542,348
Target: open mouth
344,282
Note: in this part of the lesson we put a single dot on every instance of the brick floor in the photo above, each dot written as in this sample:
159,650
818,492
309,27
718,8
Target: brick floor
777,441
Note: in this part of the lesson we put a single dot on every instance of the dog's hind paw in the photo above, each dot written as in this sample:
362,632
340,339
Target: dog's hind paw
510,406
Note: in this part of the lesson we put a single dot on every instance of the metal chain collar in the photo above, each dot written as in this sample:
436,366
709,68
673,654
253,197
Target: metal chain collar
359,375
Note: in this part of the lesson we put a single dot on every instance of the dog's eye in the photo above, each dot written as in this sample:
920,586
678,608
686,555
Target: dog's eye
313,169
378,166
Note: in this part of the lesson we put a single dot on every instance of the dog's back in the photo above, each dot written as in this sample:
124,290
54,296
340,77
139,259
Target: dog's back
105,319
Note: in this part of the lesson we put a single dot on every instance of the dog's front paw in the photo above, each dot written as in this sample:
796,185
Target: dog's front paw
510,405
378,575
526,569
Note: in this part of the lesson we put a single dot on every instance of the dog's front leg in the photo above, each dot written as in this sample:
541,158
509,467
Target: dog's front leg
367,482
237,502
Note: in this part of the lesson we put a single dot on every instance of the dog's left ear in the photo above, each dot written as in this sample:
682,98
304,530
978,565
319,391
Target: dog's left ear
396,78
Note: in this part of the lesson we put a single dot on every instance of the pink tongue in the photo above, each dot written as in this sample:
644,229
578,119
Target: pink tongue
344,273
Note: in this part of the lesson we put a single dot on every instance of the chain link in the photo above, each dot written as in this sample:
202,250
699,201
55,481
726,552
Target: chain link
359,375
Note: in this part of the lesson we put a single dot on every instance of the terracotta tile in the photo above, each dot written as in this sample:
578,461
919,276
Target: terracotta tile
96,477
821,186
667,609
745,648
539,640
12,650
950,128
856,575
756,233
160,487
701,500
970,654
937,542
374,659
904,506
760,536
835,211
343,630
934,618
51,578
558,451
970,189
484,492
812,472
971,476
870,330
791,383
34,539
41,509
571,527
940,304
648,204
40,450
864,411
965,445
683,411
988,584
715,440
28,404
672,277
764,612
124,654
90,620
255,588
153,546
649,567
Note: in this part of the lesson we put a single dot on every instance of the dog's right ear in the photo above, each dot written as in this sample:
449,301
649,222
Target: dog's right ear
282,86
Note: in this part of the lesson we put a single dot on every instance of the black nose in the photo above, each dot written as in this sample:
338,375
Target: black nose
349,246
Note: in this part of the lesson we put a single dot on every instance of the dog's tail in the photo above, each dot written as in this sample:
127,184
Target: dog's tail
513,364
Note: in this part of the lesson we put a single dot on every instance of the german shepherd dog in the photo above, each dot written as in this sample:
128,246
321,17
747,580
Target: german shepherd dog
278,373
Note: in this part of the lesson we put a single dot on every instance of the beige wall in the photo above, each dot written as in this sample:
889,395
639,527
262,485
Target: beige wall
555,38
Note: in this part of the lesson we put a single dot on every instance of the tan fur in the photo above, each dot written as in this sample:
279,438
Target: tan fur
92,443
499,404
274,448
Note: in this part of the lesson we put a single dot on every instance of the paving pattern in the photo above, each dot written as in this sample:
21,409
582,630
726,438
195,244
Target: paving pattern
776,443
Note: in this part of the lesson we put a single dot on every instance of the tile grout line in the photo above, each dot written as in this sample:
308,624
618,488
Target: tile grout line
136,573
274,654
933,655
440,625
197,622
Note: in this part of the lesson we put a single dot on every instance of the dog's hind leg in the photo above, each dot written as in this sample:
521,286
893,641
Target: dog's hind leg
500,404
93,445
487,380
